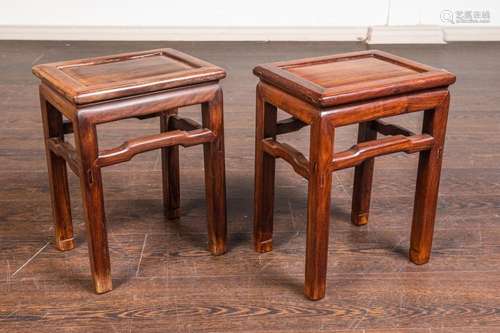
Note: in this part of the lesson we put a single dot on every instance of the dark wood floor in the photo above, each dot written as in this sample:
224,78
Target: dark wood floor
165,280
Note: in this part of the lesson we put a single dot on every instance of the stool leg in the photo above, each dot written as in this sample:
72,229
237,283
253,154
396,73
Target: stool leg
426,194
363,176
266,116
93,203
215,175
58,179
318,208
170,170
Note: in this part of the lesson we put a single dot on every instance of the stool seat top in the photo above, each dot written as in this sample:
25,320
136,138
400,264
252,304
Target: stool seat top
98,79
352,77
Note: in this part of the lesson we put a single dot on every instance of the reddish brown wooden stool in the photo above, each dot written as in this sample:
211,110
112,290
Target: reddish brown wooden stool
93,91
334,91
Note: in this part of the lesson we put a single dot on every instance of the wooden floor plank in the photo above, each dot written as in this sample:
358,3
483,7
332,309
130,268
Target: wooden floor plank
166,281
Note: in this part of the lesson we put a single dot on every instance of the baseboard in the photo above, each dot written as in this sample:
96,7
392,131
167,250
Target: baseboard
183,33
418,34
472,34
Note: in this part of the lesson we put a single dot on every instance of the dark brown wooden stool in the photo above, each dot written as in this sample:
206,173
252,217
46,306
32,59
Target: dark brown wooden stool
340,90
93,91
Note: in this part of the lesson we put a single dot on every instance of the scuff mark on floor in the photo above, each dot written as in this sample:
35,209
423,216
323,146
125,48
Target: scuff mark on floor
30,259
38,58
142,254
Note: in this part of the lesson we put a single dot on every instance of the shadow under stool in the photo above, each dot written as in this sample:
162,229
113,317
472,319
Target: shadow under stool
89,92
334,91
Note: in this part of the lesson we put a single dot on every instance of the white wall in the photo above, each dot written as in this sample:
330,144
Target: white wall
237,14
194,13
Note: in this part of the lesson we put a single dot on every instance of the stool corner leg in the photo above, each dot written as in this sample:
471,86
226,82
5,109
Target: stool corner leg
93,206
265,165
318,209
363,178
58,178
170,171
426,192
215,175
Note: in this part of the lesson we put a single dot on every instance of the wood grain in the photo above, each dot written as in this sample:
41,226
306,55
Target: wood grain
98,79
338,79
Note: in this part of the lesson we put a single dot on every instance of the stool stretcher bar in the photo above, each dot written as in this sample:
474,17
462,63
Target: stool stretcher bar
184,124
130,148
66,151
393,144
281,150
354,155
385,128
189,133
288,125
67,127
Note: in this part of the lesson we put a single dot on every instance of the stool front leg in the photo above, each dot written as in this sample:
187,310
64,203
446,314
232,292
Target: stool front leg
265,164
318,208
426,193
170,170
58,178
215,175
93,204
363,178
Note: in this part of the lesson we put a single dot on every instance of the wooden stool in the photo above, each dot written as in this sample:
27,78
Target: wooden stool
93,91
335,91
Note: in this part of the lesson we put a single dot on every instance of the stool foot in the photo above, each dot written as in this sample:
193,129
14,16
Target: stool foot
314,294
217,249
359,220
103,285
65,245
418,258
173,214
264,246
